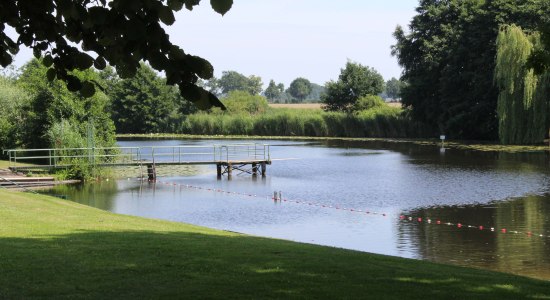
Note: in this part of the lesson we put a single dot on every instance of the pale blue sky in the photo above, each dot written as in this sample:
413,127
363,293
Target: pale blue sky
286,39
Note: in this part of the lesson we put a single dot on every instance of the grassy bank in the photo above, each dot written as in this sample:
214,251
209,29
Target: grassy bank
52,248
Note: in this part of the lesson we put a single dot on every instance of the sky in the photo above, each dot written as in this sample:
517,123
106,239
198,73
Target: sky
286,39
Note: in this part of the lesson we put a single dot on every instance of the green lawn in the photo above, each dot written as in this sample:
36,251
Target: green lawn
53,248
4,164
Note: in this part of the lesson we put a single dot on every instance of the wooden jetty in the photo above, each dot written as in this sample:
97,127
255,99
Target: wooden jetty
11,180
245,158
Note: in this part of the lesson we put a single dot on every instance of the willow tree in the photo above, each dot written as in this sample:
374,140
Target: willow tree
522,99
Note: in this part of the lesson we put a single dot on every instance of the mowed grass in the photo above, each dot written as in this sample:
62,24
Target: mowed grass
4,164
53,248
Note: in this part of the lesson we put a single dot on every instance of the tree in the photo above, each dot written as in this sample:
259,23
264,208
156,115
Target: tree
299,88
143,103
355,81
120,33
52,103
235,81
522,100
274,91
448,60
13,100
255,84
213,86
540,57
393,88
317,92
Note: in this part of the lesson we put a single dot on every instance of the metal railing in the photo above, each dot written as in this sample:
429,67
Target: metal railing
64,157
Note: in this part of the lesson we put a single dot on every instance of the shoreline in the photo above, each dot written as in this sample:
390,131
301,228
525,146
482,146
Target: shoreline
488,146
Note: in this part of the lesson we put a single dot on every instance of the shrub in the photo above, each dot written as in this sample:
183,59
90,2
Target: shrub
243,102
368,102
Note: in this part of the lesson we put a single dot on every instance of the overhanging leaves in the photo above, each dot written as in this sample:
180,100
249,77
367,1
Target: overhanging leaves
200,97
121,33
221,6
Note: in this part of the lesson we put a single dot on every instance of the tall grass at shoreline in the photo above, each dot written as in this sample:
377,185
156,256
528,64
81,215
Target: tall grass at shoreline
382,122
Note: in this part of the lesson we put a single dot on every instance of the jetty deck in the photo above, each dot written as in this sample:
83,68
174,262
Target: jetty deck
249,158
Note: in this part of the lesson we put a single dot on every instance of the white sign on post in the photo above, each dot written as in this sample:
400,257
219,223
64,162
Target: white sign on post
442,137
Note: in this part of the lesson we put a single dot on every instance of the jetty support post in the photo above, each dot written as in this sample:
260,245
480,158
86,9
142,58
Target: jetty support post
229,171
151,172
264,167
254,169
219,171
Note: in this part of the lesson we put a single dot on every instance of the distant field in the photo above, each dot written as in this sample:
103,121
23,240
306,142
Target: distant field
296,105
314,105
394,104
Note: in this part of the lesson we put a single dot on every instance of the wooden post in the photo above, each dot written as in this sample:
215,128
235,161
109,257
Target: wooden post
254,169
263,165
229,171
219,170
151,172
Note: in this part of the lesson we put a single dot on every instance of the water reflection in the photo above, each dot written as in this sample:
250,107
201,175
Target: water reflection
518,253
474,188
100,194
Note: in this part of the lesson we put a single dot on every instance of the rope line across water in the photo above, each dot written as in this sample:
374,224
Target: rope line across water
403,218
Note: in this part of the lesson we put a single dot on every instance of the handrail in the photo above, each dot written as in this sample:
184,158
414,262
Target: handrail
55,157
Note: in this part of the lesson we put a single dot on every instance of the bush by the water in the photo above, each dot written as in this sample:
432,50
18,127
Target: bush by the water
368,102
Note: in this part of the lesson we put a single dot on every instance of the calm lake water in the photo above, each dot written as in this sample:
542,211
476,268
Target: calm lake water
505,191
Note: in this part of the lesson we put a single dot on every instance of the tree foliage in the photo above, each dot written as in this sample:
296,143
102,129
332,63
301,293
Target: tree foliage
120,33
317,92
540,57
274,91
448,60
393,88
145,104
300,88
355,81
51,102
522,100
243,102
235,81
13,100
368,102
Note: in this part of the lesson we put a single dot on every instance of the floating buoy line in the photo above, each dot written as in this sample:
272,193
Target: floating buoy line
403,218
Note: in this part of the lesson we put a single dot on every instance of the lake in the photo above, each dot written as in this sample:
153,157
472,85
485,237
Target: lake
480,209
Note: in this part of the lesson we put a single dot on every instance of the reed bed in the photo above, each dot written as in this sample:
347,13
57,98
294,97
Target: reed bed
381,122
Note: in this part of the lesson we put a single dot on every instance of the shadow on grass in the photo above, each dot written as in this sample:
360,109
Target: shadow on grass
181,265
